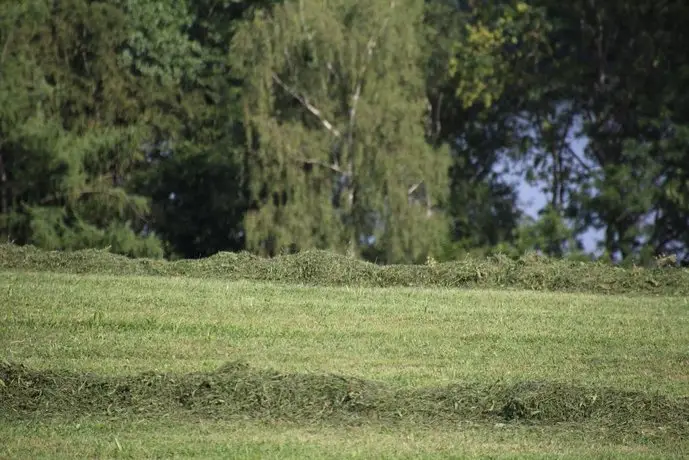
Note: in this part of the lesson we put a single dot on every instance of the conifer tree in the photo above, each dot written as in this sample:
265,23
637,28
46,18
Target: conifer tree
73,121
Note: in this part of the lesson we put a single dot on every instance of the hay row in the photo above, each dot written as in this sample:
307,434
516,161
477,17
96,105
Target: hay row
237,390
328,269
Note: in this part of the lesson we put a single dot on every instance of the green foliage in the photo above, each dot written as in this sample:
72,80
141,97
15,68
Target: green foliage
471,86
198,200
159,45
390,131
72,132
334,98
52,228
610,76
194,176
549,233
493,38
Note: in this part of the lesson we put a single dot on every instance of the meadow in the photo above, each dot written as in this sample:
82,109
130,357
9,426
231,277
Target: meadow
320,356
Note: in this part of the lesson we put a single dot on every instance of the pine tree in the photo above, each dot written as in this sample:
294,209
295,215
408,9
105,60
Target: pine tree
72,123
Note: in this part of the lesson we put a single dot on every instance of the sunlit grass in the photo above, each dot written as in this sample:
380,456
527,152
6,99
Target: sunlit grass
93,438
403,337
413,336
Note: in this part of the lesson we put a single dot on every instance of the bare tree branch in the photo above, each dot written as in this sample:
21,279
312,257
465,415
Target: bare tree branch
317,113
574,155
427,198
332,167
414,187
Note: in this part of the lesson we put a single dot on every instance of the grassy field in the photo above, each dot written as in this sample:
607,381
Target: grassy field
319,356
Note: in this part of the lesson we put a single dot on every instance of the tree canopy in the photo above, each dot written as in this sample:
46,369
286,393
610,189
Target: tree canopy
392,130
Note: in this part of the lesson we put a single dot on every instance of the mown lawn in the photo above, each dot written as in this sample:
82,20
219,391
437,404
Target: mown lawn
177,438
589,375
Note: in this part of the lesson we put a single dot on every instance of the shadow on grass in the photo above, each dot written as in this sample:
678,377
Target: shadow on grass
237,390
329,269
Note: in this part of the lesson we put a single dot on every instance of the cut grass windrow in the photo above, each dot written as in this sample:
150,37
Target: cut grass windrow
328,269
236,390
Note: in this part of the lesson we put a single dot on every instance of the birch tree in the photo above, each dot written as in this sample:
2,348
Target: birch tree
334,103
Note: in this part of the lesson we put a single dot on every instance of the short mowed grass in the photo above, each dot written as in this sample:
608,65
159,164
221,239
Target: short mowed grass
279,359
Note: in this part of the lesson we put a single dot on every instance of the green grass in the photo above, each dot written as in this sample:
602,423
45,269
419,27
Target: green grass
200,438
214,361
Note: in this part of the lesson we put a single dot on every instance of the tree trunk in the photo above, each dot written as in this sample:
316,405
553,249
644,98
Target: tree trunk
3,187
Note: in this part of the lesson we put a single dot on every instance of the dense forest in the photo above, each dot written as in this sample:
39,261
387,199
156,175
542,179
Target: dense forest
390,130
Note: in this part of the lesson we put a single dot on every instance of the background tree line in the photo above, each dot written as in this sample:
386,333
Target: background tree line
385,129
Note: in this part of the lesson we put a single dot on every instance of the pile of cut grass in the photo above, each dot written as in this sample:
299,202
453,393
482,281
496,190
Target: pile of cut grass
238,391
329,269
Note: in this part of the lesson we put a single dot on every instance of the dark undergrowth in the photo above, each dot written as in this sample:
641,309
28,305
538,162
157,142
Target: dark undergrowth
328,269
237,390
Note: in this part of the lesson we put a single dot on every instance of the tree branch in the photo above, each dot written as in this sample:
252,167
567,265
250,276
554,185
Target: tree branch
429,204
438,126
317,113
414,187
574,155
332,167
